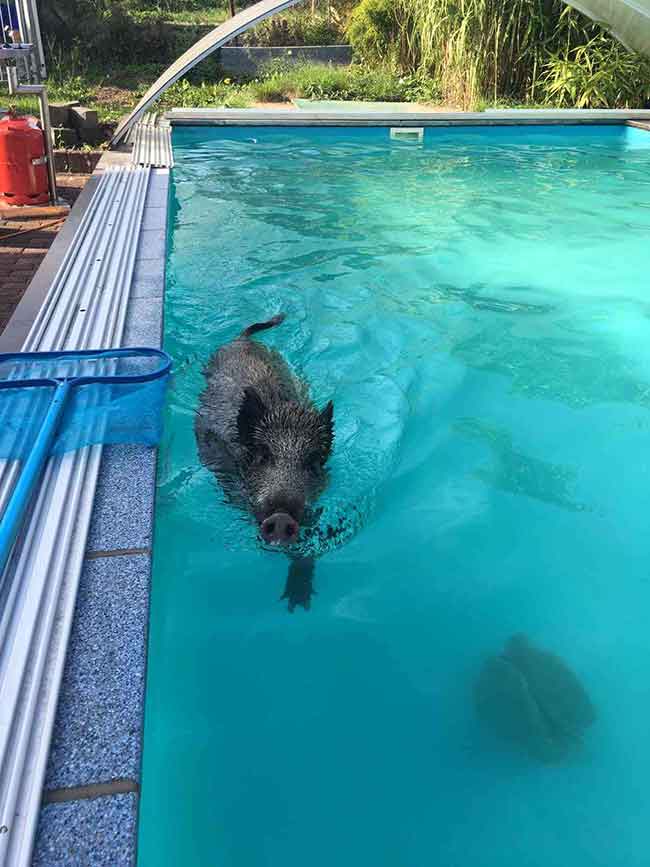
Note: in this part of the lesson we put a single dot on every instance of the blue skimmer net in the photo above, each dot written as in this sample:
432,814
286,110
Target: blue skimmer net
55,402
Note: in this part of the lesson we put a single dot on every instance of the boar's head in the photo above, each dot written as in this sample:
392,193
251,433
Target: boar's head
286,446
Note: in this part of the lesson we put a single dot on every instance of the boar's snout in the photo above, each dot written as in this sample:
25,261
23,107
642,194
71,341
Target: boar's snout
280,529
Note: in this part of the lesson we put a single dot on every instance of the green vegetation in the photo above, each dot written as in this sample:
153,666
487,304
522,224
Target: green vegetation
317,81
463,53
524,50
297,27
207,17
596,74
206,95
113,32
279,83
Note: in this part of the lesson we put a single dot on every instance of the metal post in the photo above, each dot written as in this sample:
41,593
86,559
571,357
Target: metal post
22,24
49,146
41,91
35,38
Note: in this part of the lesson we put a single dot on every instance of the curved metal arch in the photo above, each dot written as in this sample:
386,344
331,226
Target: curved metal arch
212,41
627,20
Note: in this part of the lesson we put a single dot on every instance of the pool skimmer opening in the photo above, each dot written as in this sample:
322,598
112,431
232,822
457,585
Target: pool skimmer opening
407,133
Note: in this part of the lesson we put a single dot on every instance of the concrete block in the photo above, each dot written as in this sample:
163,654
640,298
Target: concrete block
60,113
64,137
76,161
123,512
83,118
92,136
152,244
144,322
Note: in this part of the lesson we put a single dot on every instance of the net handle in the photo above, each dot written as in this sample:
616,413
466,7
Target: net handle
137,351
30,475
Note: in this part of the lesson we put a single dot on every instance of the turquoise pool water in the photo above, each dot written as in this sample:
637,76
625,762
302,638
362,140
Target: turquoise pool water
478,310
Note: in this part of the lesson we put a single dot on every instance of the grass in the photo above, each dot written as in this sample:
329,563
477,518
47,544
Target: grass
197,17
525,50
459,52
113,95
317,81
463,53
206,95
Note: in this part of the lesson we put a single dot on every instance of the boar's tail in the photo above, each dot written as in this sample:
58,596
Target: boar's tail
262,326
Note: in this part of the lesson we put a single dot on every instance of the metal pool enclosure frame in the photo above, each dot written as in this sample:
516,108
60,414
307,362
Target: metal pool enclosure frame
203,48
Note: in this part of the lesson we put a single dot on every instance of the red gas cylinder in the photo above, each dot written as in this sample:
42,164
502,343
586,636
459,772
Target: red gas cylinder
23,165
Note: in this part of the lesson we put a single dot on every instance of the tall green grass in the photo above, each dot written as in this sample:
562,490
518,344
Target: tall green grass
488,49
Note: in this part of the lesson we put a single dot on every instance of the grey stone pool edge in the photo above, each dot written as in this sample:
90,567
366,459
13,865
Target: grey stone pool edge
90,798
334,118
91,791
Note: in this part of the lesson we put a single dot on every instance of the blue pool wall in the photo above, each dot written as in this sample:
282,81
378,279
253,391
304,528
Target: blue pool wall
550,135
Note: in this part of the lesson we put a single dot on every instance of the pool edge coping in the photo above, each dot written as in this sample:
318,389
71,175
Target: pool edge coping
506,117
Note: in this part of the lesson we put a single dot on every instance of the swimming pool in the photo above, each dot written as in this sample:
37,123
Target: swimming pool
477,308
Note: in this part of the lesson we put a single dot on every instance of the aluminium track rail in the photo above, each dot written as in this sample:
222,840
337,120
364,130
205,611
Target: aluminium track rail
85,308
152,142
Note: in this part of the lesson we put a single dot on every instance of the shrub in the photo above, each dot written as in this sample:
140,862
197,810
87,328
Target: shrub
600,74
375,32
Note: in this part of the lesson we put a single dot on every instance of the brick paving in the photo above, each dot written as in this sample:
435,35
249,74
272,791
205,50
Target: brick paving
21,255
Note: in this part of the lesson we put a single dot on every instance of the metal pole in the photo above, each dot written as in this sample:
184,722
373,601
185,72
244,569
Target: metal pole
23,26
30,475
49,146
35,37
41,91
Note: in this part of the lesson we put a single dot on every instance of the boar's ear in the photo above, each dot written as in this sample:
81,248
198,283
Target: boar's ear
251,412
326,417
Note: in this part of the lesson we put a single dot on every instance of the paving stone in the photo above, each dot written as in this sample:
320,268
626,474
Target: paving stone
97,732
98,832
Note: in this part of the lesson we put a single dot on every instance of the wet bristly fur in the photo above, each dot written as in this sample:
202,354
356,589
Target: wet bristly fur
259,432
